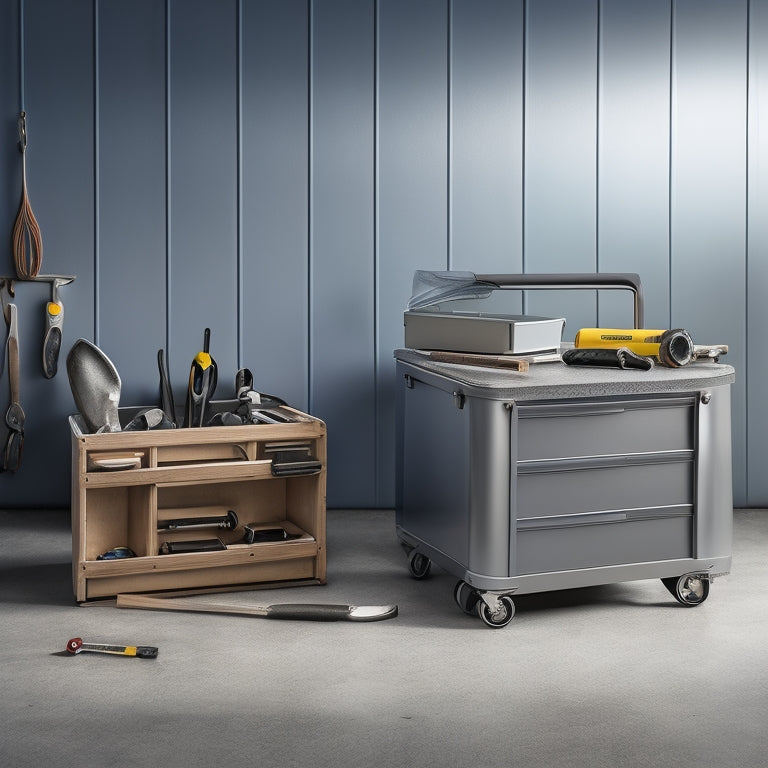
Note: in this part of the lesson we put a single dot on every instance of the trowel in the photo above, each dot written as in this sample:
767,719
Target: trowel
95,385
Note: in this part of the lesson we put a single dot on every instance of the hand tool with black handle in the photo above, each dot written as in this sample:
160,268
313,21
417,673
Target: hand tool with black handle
54,320
76,645
14,416
166,392
607,358
299,611
203,376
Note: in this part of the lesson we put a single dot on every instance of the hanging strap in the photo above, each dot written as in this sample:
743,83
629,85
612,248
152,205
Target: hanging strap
27,242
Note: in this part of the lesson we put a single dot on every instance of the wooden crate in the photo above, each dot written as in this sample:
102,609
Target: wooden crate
194,473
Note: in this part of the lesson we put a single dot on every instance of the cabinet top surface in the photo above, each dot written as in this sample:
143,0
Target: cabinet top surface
546,381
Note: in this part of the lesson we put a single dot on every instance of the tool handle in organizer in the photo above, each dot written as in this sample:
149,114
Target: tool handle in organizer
629,281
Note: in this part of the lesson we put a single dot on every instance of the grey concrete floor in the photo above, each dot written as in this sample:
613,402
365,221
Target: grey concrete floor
613,676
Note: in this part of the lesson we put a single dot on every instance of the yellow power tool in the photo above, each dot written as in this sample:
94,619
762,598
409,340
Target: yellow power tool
673,348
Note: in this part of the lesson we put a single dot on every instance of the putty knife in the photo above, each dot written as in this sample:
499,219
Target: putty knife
302,611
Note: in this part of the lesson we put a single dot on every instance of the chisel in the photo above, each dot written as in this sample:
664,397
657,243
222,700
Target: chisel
301,611
76,645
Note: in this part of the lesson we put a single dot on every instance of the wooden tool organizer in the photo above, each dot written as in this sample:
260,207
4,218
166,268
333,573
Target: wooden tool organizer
125,484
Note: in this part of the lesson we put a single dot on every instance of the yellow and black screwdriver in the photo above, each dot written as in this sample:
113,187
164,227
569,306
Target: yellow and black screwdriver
203,376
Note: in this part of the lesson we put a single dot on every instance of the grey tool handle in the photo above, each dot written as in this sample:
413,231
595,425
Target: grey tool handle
12,344
613,358
308,612
565,281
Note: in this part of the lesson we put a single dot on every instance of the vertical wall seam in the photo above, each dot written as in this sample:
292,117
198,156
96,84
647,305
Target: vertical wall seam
747,334
168,219
310,160
376,252
670,157
96,176
598,74
449,134
240,267
22,73
523,156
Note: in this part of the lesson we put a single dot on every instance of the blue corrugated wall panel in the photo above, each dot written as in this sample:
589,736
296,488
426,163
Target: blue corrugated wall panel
755,370
276,171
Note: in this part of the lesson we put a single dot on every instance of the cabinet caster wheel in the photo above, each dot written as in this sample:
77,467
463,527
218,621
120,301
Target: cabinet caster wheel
419,565
690,589
499,617
466,597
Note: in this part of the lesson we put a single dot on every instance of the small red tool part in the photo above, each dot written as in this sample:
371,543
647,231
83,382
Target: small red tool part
75,644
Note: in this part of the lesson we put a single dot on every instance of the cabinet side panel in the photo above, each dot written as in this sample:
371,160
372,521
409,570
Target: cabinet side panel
489,461
435,505
714,505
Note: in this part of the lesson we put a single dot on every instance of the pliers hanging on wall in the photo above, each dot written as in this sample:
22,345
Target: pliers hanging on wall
14,416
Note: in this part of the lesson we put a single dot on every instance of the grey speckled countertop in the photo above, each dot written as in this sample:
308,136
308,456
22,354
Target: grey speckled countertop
551,381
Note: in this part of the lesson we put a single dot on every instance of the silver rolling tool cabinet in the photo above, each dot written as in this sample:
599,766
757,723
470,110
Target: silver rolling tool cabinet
563,477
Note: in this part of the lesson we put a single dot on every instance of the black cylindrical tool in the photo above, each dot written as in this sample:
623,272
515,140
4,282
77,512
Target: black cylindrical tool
228,522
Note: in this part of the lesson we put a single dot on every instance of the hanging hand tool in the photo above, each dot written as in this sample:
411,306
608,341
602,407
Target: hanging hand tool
54,320
26,231
166,392
76,645
308,612
203,376
6,286
14,416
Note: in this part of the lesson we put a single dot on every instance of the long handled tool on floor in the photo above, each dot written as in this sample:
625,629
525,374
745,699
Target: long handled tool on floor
301,611
76,645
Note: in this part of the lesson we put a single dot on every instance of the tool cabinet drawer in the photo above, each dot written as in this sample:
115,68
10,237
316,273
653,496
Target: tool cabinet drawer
589,488
583,544
594,428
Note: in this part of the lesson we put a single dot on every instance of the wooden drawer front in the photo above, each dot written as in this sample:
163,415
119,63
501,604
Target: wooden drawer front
570,547
602,428
604,488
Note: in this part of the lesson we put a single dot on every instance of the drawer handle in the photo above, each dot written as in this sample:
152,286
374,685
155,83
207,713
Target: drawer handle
557,414
578,518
